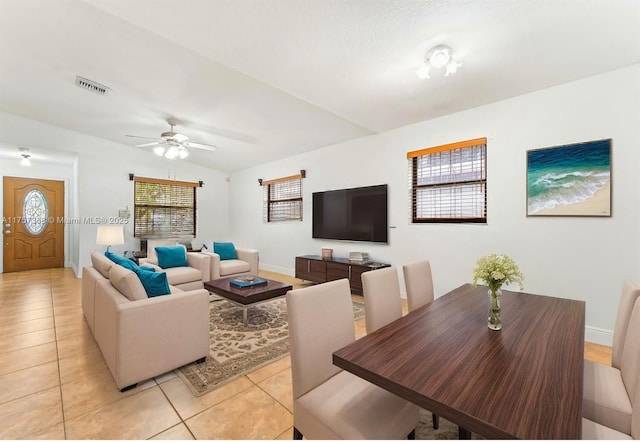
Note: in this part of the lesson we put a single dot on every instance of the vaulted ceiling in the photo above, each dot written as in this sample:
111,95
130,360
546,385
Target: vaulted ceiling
267,79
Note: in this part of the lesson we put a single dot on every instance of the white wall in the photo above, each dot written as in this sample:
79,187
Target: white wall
578,258
102,186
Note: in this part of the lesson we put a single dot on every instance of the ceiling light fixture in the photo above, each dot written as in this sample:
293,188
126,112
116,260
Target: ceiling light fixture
175,150
25,161
438,57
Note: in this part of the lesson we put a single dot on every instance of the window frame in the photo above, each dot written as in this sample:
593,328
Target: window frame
170,230
414,187
269,203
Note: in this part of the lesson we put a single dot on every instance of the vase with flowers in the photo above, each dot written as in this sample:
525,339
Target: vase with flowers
495,271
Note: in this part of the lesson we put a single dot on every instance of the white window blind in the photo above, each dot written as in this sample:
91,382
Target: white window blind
448,183
164,208
283,199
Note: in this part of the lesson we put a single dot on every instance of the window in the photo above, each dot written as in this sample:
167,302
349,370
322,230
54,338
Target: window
164,208
283,198
449,183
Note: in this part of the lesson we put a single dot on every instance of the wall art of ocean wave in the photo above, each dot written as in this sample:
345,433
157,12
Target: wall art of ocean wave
566,175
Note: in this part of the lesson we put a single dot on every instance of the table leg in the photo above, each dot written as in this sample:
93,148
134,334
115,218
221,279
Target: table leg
463,434
244,315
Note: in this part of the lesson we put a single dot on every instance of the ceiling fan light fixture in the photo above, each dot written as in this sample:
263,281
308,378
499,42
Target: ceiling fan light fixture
25,161
158,150
438,57
183,153
172,153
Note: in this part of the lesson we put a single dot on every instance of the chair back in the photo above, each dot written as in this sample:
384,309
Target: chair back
382,302
419,284
630,362
630,292
320,322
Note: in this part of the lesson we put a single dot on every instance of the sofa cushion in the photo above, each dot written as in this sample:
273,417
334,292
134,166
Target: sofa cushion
181,275
127,283
124,262
154,283
226,250
101,263
172,256
233,266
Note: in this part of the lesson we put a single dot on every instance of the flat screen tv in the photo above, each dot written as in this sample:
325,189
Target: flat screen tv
358,214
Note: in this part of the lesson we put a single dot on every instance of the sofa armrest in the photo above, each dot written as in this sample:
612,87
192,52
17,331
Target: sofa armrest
215,264
201,262
250,256
155,335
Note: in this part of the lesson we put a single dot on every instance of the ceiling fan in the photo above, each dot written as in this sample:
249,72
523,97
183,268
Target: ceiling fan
172,145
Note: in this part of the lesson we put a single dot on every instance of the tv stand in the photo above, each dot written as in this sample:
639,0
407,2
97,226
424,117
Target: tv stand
314,268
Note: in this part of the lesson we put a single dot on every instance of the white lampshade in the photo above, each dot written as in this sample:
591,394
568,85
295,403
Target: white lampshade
110,236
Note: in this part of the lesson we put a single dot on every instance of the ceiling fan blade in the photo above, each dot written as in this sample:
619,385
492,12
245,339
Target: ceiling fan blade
146,138
148,144
208,147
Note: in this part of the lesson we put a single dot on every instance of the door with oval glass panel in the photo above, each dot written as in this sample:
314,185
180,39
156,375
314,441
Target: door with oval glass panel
33,226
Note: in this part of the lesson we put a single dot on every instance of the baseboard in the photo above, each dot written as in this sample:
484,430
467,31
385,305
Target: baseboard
284,270
598,336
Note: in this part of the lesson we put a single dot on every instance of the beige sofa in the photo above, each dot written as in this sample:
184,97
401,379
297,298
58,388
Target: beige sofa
245,264
185,278
142,337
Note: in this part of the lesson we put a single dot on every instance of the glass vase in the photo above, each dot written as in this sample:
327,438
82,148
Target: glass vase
495,319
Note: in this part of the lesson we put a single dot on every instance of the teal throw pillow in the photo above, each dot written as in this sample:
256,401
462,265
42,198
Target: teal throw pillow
226,250
124,262
171,256
154,283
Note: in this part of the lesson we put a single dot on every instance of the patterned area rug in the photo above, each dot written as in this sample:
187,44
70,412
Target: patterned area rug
237,349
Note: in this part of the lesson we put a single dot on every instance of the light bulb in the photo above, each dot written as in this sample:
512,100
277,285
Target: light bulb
172,153
183,153
25,161
452,67
158,150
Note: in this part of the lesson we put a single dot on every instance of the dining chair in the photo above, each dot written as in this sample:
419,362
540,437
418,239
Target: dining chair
382,301
630,292
419,284
594,431
383,304
609,393
329,403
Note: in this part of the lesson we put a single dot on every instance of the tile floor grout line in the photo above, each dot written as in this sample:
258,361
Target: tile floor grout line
176,411
55,335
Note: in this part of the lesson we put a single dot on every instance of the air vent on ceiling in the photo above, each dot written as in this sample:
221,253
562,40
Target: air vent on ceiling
91,86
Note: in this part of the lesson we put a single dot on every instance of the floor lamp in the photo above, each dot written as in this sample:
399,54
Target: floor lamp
109,236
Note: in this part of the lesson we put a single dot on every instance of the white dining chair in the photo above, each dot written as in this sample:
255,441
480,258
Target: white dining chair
419,284
630,293
383,303
329,403
609,393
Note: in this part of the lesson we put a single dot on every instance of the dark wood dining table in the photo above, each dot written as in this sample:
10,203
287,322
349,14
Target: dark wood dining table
522,382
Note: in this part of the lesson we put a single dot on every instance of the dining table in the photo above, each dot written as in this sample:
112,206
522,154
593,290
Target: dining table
521,382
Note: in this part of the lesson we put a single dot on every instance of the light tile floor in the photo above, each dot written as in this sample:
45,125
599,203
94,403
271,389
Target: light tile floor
54,383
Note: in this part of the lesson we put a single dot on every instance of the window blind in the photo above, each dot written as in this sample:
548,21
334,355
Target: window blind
448,183
164,208
283,199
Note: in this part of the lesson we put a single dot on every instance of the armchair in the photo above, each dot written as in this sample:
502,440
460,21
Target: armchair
245,264
191,277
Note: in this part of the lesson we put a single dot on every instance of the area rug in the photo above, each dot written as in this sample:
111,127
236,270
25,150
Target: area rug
237,349
446,430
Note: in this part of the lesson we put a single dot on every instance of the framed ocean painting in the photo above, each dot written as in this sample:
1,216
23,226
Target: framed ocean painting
571,180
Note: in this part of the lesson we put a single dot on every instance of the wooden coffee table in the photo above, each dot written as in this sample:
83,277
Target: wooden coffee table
247,296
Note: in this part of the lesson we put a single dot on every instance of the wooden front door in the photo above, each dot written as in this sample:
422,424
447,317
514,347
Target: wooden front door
32,224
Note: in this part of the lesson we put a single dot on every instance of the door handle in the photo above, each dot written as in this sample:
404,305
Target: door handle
7,231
